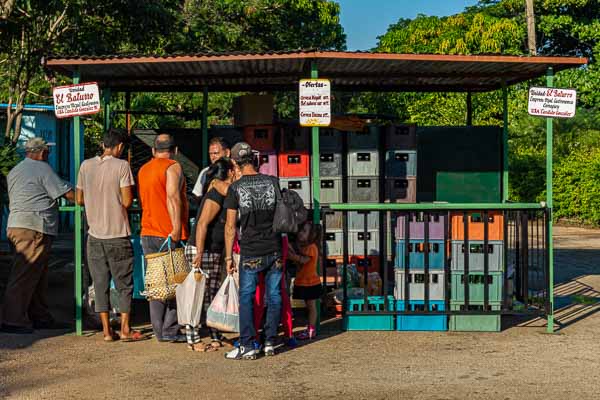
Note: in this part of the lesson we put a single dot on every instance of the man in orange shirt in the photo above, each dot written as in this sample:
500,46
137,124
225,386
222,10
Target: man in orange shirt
162,193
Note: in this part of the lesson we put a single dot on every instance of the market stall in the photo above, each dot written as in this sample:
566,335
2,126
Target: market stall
379,173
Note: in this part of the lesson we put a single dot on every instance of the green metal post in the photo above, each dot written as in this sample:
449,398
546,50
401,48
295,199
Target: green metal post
549,155
504,143
77,142
316,183
106,103
205,128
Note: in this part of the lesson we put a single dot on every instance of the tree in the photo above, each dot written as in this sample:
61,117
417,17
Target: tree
30,28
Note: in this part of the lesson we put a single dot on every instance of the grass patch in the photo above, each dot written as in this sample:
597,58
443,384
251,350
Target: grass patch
586,300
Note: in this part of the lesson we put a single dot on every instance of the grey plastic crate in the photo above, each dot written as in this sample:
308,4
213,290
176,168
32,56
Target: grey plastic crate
363,163
401,190
330,163
356,220
476,256
357,243
363,189
401,137
368,139
294,138
401,163
416,285
334,220
300,185
330,140
334,242
331,190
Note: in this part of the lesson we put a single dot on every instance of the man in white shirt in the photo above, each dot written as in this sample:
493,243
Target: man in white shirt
217,148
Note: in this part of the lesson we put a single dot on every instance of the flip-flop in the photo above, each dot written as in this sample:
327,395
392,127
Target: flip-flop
134,336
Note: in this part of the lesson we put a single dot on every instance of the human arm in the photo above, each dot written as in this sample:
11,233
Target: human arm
126,183
209,212
79,199
174,201
127,196
229,238
295,257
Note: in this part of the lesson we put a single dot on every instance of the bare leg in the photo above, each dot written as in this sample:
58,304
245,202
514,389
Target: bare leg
106,328
125,330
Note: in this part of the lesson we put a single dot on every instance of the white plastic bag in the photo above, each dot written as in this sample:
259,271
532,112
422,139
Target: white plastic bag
190,294
223,313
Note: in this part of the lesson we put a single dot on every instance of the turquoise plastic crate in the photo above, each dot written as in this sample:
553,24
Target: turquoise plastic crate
369,322
417,254
421,322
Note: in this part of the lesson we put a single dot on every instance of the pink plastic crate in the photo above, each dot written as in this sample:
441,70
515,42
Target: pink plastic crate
417,226
268,163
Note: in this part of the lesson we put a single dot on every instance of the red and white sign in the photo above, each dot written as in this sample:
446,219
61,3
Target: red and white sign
552,102
73,100
315,102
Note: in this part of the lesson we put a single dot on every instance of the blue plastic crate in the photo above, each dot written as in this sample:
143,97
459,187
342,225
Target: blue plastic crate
417,254
421,322
369,322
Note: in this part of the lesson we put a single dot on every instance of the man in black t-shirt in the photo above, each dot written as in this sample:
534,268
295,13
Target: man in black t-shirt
253,196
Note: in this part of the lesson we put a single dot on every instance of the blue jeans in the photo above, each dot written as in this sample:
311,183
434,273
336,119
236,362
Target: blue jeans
250,267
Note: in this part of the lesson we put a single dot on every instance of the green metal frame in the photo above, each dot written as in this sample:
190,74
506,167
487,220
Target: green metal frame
77,143
549,155
316,187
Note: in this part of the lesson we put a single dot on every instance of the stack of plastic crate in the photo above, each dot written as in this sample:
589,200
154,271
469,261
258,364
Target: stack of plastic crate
294,161
262,139
400,163
472,270
331,174
414,275
363,183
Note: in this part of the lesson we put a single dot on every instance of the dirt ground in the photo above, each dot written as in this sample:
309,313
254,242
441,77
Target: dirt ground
521,362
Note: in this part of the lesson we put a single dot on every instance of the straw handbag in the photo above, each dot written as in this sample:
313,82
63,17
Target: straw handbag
164,270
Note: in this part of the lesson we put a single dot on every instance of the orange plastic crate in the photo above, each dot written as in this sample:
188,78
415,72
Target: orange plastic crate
293,165
476,225
260,138
372,263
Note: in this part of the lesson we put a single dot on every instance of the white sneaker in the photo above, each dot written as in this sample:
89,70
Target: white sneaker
269,349
241,353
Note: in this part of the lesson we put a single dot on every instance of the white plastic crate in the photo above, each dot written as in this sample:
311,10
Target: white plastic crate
437,286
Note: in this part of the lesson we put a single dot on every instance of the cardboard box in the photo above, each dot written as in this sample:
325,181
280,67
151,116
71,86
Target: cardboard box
253,109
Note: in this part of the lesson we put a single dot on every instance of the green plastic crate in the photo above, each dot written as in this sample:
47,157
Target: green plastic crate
369,322
475,323
476,287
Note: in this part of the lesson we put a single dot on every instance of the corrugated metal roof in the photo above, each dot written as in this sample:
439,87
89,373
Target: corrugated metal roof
355,71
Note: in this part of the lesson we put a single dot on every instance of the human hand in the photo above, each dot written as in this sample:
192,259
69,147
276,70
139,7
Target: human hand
230,266
197,261
175,235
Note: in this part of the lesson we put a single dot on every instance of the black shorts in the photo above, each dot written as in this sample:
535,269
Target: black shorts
308,292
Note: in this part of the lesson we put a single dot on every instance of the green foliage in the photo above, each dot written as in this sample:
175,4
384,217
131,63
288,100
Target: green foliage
8,159
577,188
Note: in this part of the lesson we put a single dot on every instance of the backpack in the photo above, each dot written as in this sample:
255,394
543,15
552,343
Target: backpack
289,211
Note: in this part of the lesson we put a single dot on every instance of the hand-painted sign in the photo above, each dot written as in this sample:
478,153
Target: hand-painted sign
73,100
552,102
315,102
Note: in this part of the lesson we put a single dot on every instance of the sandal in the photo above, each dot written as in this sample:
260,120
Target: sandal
306,335
134,336
197,347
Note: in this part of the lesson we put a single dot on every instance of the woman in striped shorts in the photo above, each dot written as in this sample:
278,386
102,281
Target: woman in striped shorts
208,237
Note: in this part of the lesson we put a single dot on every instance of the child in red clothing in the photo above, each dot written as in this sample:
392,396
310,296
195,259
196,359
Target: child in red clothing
307,285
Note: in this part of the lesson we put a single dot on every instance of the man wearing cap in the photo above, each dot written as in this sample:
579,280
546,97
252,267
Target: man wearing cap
162,191
253,196
33,191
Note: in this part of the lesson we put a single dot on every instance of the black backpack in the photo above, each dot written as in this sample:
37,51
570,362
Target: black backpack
289,211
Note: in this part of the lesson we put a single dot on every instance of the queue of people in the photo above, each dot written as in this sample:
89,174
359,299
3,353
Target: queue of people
233,234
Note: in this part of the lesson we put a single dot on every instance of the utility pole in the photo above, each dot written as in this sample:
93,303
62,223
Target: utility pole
530,28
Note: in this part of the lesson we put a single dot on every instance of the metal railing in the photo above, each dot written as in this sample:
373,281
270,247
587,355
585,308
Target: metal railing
521,238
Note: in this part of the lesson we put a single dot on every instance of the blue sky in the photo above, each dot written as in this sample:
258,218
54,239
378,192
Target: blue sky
364,20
